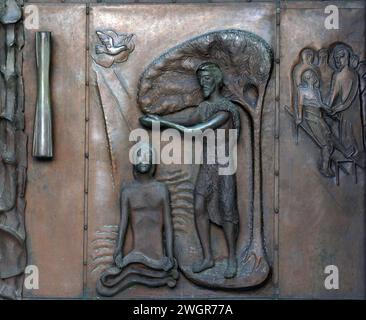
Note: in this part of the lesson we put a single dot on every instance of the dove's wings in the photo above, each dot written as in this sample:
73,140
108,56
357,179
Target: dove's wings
105,39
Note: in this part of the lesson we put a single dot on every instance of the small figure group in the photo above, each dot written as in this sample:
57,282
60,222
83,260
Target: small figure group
326,98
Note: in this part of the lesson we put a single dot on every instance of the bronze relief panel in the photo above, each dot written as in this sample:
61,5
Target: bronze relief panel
322,152
149,68
104,220
55,193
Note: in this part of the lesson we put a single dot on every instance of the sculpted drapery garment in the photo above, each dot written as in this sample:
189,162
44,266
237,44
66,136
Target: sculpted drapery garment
213,186
345,95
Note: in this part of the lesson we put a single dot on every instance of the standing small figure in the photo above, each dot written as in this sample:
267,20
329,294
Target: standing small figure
326,72
344,100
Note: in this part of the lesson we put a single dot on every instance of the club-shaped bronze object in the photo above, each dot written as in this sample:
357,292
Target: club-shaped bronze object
42,134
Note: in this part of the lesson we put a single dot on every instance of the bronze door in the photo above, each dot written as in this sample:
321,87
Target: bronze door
293,81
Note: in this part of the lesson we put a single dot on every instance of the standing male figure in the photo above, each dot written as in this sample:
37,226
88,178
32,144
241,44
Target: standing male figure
215,195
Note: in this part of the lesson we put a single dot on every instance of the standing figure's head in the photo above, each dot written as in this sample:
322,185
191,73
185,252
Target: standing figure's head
143,160
307,56
310,79
209,77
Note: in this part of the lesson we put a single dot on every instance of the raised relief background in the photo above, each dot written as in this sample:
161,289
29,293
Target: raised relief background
115,87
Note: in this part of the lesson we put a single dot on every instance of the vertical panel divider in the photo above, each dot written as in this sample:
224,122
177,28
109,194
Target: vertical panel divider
276,208
86,149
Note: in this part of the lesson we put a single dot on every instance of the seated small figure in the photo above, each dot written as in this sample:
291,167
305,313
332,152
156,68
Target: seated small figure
145,207
310,107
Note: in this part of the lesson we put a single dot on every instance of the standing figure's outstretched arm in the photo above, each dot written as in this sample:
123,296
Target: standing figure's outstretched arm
212,123
183,117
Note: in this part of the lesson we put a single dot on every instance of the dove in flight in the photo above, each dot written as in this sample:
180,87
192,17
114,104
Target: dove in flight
109,47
